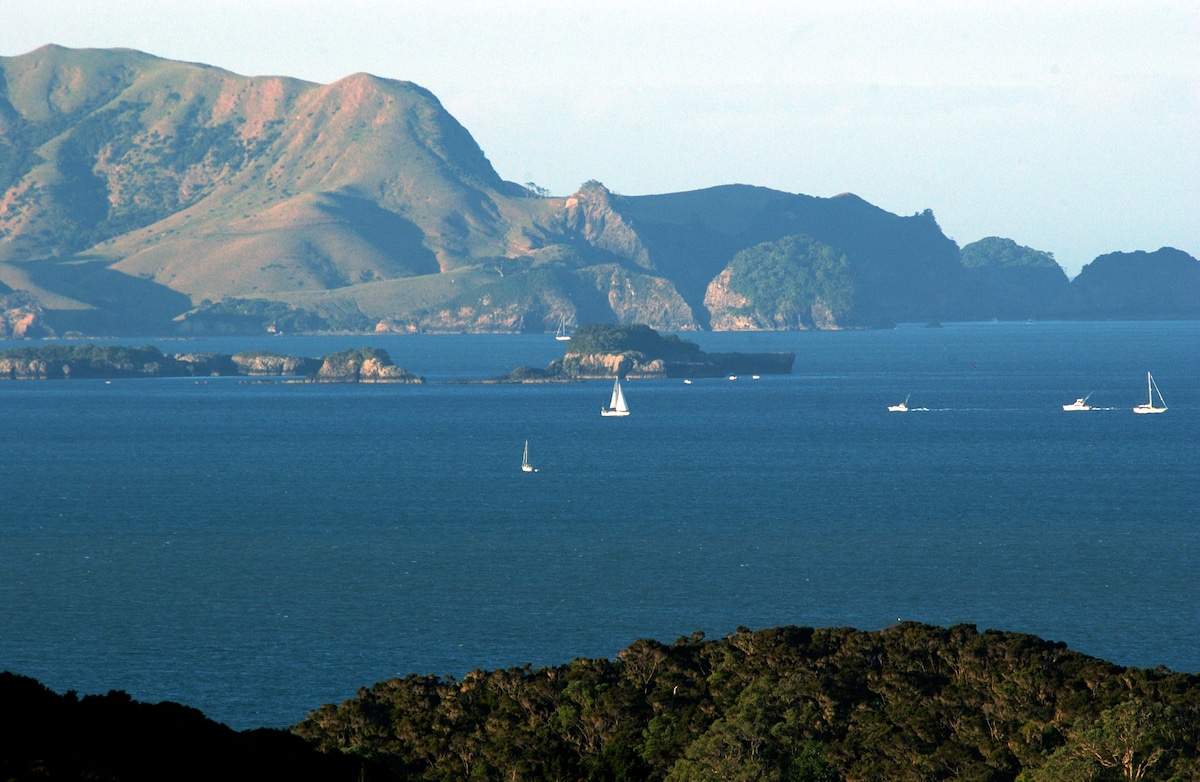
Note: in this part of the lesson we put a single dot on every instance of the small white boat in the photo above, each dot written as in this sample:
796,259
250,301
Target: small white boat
1079,404
561,335
733,377
900,408
525,465
687,382
1149,406
616,404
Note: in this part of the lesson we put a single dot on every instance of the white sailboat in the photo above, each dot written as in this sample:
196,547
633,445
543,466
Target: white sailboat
616,405
1151,390
1079,404
900,408
561,335
525,465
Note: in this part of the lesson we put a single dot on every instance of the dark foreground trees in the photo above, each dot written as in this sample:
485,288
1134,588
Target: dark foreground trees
47,736
908,703
792,704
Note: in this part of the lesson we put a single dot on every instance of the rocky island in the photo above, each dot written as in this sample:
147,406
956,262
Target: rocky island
362,365
65,362
600,350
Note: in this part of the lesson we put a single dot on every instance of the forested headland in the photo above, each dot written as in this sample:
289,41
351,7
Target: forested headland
798,704
911,702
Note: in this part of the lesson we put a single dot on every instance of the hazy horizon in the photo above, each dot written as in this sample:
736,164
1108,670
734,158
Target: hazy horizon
1066,127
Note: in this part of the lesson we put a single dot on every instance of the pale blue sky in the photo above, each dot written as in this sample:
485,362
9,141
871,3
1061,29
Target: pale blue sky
1071,127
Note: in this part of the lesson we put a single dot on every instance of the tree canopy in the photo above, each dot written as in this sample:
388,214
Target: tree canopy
783,280
631,338
911,702
995,251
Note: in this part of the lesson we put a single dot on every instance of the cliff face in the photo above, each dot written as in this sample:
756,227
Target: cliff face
589,214
598,366
21,317
258,363
366,365
731,311
643,298
27,369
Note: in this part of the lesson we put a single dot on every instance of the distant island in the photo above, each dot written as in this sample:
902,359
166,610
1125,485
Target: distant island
66,362
135,202
595,350
602,350
910,702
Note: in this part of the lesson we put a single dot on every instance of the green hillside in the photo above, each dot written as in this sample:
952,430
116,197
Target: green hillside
793,283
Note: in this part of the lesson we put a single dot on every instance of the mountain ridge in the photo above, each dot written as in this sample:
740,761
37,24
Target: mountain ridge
140,194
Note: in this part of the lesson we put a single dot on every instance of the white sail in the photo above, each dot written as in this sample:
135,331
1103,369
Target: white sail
1151,389
616,403
525,465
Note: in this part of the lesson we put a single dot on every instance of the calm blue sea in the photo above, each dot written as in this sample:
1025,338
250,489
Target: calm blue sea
256,550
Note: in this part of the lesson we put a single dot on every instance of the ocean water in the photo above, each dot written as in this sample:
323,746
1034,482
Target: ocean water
258,549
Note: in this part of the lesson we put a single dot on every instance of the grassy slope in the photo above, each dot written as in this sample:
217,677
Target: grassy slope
384,298
362,180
